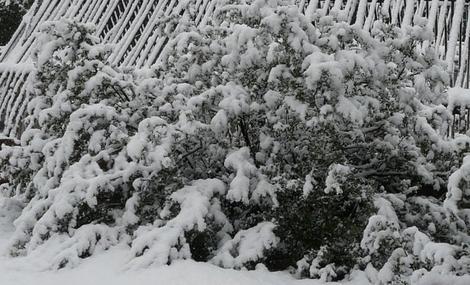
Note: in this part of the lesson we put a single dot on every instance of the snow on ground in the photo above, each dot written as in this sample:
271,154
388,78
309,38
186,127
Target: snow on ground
109,268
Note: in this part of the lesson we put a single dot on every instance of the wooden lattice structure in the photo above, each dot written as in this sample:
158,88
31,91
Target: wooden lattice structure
131,24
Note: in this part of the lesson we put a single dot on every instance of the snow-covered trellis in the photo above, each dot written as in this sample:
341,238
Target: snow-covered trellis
131,24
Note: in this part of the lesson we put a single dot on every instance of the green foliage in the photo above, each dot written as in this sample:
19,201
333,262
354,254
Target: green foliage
11,14
331,222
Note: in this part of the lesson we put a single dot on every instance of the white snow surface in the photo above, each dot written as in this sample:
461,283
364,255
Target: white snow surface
108,268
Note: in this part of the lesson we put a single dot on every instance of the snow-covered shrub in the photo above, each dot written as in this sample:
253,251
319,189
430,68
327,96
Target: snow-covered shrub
262,136
75,130
321,116
411,238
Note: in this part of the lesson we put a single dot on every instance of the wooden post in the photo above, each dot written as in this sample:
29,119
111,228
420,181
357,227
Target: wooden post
452,72
445,38
460,40
436,26
468,64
